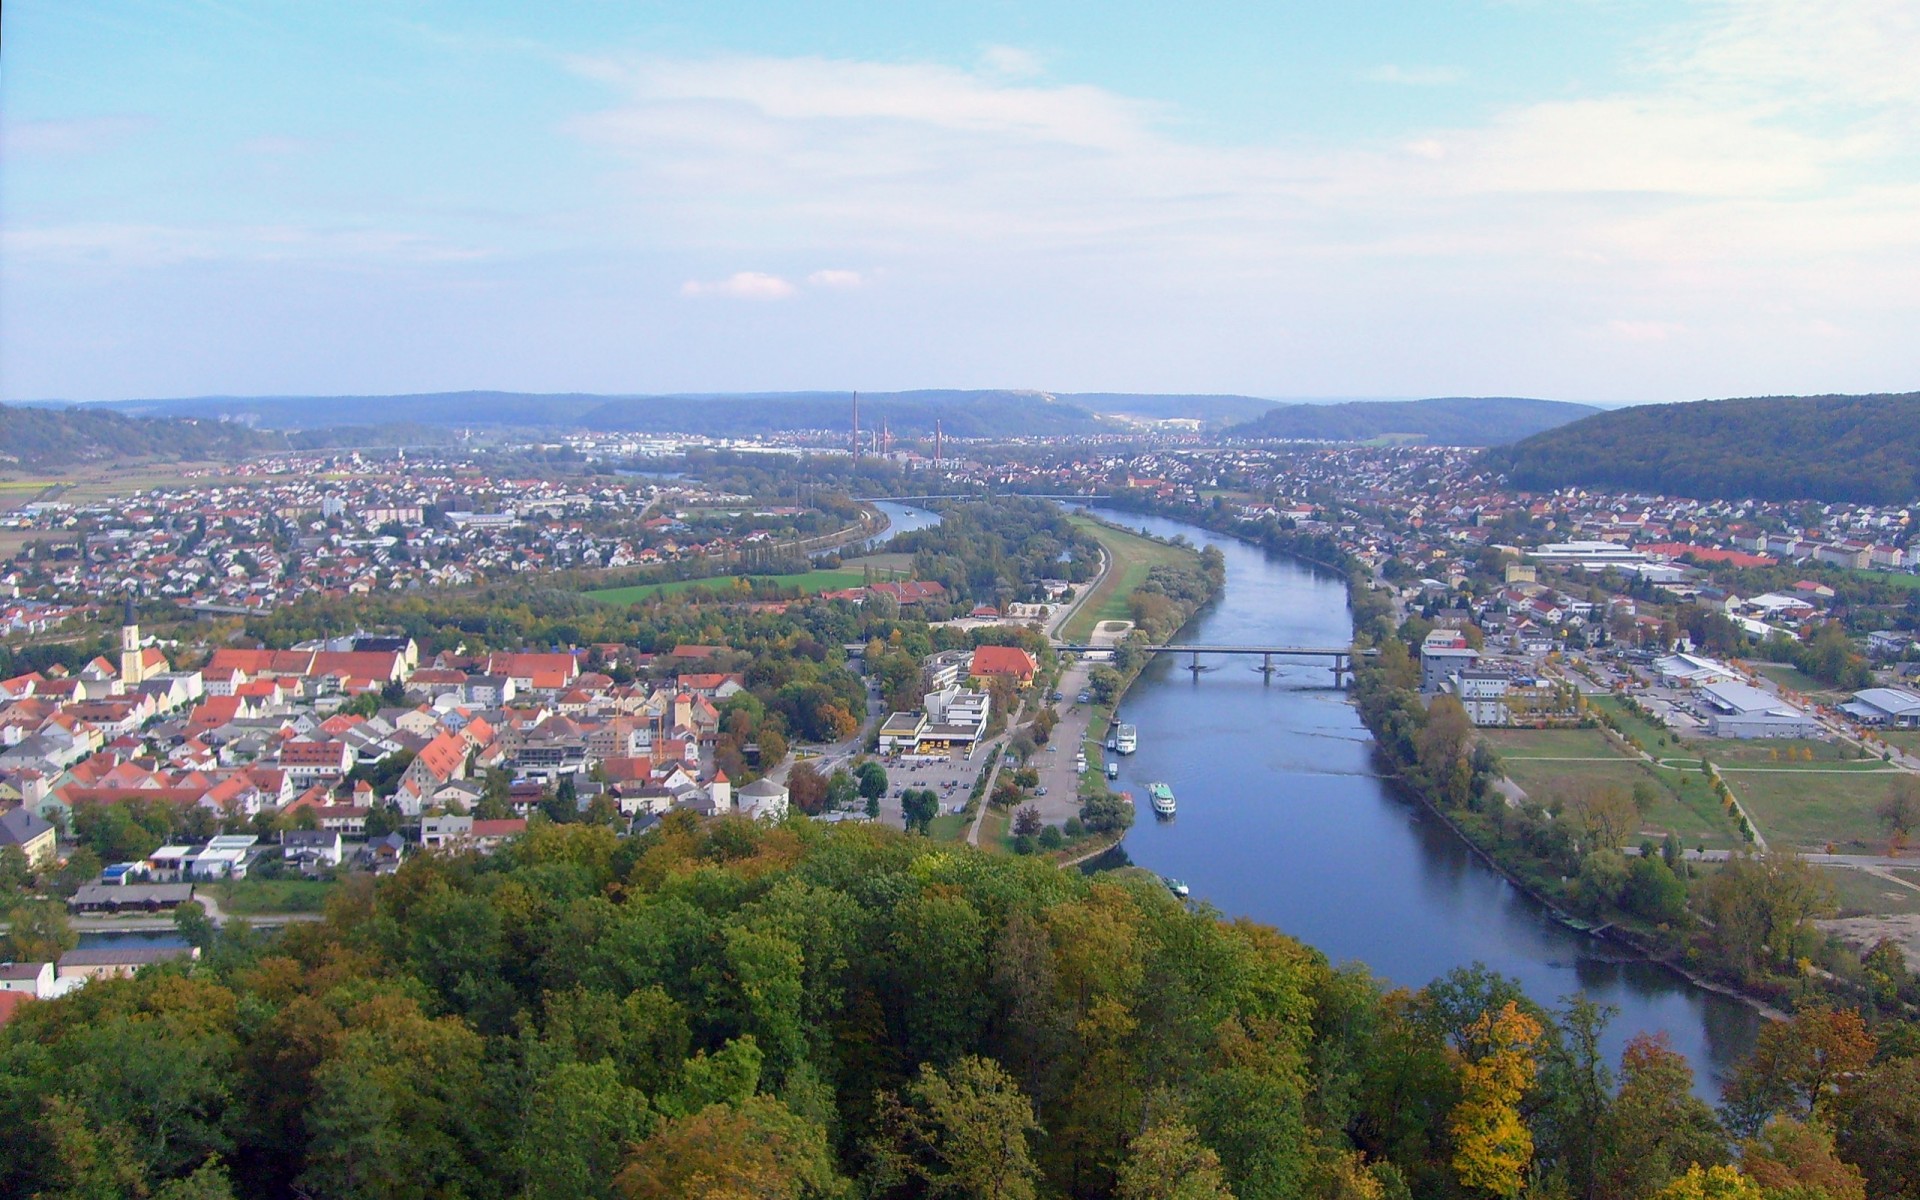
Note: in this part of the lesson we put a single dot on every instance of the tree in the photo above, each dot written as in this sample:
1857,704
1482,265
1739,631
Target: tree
807,788
1797,1065
193,923
872,779
1711,1183
1760,908
1169,1162
1877,1127
1657,1127
579,1121
15,874
757,1149
919,806
1899,813
1026,821
37,931
1798,1160
1442,748
961,1131
842,790
1492,1146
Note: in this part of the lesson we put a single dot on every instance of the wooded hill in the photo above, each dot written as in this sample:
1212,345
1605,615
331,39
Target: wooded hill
1450,421
730,1009
1860,449
993,412
44,438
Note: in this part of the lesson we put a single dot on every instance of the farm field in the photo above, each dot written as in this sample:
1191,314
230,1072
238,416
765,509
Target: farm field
809,581
1133,556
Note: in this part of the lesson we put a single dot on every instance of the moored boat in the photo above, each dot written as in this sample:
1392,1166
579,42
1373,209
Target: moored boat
1175,886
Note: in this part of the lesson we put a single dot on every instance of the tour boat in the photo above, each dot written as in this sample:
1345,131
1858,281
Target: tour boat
1125,739
1175,886
1162,796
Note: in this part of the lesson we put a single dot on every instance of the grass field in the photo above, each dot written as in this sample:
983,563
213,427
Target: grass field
1777,752
885,566
1814,808
1658,741
950,827
1549,743
1133,556
244,897
1546,761
1794,679
1858,893
1906,739
809,581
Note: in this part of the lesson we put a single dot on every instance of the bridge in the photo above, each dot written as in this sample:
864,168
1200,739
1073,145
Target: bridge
985,496
1340,658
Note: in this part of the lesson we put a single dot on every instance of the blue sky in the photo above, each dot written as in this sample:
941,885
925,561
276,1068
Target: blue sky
1600,200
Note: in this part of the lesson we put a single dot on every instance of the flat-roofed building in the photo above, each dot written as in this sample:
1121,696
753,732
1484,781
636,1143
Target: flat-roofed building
1739,710
1897,708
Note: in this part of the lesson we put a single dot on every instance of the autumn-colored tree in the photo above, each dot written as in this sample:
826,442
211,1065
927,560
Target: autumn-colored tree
1711,1183
1877,1127
757,1150
1798,1161
1796,1065
1169,1162
1656,1128
807,788
1492,1145
1443,742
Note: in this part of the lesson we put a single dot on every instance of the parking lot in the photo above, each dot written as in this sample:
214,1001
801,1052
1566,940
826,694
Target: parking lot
951,779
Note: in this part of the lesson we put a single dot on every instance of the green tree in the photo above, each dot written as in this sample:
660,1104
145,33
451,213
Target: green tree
963,1131
873,780
1657,1128
1877,1127
919,806
37,931
579,1121
1169,1162
842,789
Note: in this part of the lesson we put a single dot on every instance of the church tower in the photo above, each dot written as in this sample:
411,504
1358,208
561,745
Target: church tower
132,670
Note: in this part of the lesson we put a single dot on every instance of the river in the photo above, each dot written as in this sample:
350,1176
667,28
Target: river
1283,818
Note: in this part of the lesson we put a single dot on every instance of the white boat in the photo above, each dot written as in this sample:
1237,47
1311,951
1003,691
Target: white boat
1113,770
1125,738
1175,886
1162,797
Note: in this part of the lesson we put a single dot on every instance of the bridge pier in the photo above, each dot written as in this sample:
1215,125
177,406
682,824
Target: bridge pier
1193,664
1266,667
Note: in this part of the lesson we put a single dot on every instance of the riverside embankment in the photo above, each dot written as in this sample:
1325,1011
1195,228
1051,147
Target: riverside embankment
1283,817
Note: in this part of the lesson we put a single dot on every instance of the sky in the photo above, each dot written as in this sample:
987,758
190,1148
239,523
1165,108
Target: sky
1612,201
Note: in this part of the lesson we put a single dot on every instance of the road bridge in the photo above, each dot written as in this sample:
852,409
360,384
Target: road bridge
1340,658
983,496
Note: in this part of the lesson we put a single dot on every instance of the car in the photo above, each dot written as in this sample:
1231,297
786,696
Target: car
1084,697
1041,790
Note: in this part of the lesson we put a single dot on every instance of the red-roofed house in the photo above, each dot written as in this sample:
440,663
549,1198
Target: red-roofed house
1003,661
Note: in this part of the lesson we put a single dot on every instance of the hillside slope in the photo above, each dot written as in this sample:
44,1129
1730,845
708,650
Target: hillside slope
1451,420
42,438
1862,449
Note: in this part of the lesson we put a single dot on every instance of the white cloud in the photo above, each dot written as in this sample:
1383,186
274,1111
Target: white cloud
1011,62
1414,76
741,285
836,278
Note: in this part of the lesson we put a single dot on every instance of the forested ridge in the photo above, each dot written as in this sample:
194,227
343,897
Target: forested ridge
38,438
1860,449
726,1009
1447,420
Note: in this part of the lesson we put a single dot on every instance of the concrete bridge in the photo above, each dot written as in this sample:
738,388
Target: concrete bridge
984,496
1340,658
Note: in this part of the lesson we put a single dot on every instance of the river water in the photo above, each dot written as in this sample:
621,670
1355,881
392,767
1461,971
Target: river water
1283,818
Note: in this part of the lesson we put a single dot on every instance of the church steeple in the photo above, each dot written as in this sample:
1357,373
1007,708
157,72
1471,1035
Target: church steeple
132,667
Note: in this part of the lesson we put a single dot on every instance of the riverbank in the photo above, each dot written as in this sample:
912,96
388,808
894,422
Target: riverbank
1368,607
